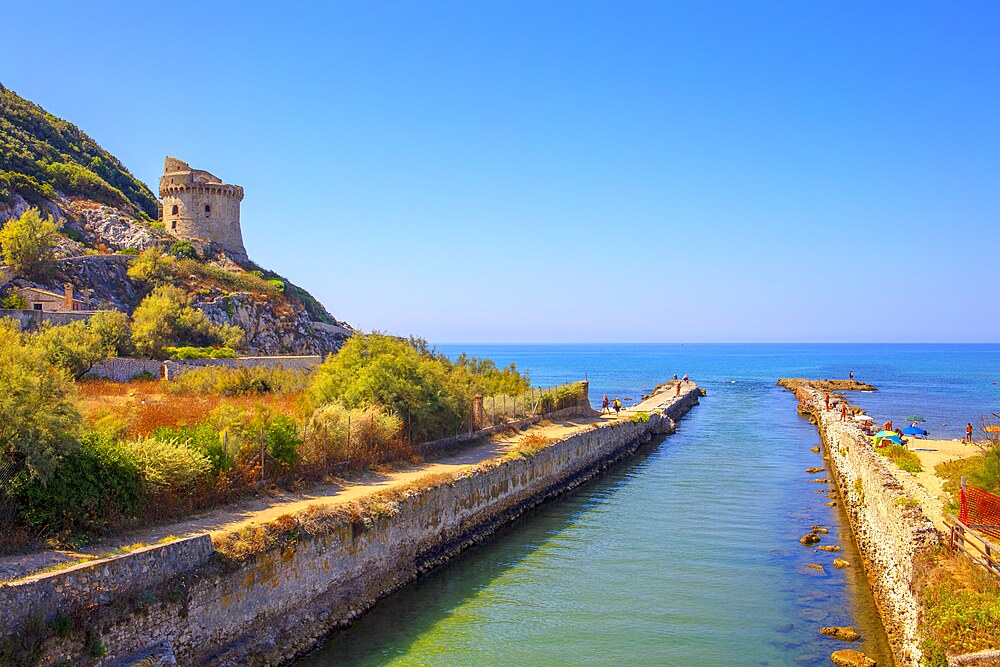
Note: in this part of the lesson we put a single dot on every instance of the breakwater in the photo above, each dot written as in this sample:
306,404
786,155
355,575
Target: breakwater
888,525
270,593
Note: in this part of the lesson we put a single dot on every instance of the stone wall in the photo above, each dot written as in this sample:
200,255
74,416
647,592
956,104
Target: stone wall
319,570
889,528
123,369
30,319
174,368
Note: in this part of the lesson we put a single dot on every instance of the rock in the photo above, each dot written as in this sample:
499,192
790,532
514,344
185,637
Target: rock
829,547
820,529
809,538
851,658
816,566
820,480
840,563
832,503
813,471
814,450
847,634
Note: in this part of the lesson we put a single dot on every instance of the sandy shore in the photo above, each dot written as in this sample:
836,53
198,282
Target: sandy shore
931,453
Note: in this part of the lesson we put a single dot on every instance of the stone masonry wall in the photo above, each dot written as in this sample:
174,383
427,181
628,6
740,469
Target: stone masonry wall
889,528
281,601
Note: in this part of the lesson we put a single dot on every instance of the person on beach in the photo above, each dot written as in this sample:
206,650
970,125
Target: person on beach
826,399
843,412
618,405
604,405
678,392
887,426
852,375
968,433
685,378
675,377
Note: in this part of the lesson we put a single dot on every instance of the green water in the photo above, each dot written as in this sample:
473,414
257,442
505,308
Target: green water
687,554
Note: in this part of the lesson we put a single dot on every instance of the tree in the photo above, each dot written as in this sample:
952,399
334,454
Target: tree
112,327
164,319
28,243
40,422
14,300
74,347
152,267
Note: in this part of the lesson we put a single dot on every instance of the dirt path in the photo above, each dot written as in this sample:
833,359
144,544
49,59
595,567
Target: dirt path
246,512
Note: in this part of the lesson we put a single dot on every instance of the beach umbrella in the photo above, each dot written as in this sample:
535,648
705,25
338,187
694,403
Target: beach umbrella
886,435
915,418
913,430
862,418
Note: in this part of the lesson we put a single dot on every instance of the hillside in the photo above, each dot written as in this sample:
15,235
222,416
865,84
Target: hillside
106,217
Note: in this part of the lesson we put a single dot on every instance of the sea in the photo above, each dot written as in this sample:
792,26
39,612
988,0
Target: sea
687,553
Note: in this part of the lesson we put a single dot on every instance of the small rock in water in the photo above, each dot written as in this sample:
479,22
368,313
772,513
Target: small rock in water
832,503
815,450
848,634
809,538
829,547
820,480
820,529
840,563
851,658
813,471
816,566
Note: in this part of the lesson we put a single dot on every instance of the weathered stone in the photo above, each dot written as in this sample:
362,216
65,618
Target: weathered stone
820,480
814,450
832,503
840,563
820,529
845,633
809,538
829,547
813,471
851,658
816,566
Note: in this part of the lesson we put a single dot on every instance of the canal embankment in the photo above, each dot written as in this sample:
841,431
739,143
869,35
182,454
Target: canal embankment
270,591
886,518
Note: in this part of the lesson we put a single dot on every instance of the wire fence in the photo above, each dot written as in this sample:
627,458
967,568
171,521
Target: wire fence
498,409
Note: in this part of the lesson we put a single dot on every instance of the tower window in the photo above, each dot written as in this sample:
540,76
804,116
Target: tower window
173,225
208,210
173,210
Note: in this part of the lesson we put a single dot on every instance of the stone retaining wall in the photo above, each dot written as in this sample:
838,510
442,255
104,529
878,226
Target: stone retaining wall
889,528
31,319
174,368
324,568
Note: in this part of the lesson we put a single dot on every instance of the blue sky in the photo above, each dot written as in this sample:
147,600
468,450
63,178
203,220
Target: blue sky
570,171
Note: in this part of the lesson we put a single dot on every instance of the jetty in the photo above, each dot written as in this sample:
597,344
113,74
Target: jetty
266,586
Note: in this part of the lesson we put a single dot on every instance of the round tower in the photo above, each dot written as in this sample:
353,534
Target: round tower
198,206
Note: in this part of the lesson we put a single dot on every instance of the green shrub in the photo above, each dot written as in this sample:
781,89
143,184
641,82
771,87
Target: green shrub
114,331
169,465
14,301
164,319
241,381
902,457
279,285
283,441
95,487
640,417
74,235
183,249
39,422
202,438
152,268
28,243
128,251
189,352
74,347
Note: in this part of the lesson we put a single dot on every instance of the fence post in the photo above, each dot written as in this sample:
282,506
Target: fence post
477,413
262,441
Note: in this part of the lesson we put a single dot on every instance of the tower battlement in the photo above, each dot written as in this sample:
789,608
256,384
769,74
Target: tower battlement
198,206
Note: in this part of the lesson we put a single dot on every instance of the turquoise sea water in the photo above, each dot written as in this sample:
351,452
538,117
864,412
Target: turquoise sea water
687,554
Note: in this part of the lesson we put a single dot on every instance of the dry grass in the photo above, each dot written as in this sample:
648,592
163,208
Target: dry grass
959,606
530,445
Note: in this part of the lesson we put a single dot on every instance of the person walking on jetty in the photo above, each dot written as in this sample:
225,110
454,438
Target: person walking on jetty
843,412
685,378
604,405
678,392
852,375
968,433
826,399
617,405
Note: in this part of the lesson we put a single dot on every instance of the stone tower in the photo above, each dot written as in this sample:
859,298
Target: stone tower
198,206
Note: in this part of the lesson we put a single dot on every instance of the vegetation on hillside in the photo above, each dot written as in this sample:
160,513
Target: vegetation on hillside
42,154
